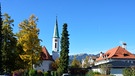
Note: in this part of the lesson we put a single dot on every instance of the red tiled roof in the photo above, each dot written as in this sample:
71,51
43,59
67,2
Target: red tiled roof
45,55
118,52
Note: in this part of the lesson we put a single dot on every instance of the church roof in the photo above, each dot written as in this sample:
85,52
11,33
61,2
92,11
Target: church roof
117,52
45,54
56,32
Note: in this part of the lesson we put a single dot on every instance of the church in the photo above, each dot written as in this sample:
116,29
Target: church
45,56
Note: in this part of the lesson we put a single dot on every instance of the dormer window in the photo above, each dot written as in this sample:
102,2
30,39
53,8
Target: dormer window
125,54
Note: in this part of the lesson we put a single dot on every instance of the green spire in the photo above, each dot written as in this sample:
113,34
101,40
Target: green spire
56,32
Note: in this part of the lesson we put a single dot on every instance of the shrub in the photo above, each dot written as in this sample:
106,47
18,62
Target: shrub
91,73
97,73
32,72
40,73
46,74
54,73
19,72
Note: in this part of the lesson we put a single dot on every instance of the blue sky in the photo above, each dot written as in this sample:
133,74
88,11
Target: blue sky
93,25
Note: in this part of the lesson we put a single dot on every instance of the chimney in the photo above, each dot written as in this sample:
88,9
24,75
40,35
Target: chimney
124,45
101,54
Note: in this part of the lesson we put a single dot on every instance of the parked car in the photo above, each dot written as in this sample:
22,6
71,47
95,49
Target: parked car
65,74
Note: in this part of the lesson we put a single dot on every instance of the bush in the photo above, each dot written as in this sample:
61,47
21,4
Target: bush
40,73
91,73
46,74
97,73
32,72
19,72
54,73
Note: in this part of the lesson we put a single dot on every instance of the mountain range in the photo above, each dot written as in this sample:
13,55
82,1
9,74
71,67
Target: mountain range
79,57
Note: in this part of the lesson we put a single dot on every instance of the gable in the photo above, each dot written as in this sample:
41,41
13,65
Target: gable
45,54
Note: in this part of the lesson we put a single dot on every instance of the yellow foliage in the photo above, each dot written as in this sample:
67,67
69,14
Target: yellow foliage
28,39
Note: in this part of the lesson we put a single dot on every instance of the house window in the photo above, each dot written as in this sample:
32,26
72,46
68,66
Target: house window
132,62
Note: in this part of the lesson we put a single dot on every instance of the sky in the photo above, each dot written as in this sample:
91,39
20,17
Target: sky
93,25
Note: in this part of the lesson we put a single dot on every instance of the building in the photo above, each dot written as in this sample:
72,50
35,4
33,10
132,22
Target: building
115,59
55,42
45,56
47,61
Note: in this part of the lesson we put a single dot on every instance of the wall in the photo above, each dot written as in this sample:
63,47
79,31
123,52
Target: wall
45,66
116,71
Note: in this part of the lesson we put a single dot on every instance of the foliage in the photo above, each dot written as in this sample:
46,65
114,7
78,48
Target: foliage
46,74
19,72
91,73
29,41
8,44
32,72
54,73
86,62
55,64
105,68
0,41
129,71
19,62
64,57
75,63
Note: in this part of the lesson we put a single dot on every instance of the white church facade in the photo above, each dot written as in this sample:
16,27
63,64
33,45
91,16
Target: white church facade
45,56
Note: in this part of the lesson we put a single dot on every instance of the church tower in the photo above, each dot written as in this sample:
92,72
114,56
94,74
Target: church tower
55,42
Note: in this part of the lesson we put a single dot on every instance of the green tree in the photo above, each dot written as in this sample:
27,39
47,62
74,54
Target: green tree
129,71
75,63
29,41
0,41
8,44
64,57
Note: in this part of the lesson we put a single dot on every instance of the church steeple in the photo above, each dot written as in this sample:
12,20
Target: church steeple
55,41
56,32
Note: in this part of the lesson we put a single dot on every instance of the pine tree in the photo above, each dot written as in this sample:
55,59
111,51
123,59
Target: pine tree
64,57
29,41
8,44
0,41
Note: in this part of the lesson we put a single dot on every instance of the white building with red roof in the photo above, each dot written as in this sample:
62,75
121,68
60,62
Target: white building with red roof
46,61
119,58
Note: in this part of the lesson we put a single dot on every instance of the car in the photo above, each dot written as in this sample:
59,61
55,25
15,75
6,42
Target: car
65,74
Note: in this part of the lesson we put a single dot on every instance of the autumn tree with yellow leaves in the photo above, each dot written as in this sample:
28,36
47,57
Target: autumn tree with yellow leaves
29,41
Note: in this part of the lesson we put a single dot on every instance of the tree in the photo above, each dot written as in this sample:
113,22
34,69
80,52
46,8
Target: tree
29,41
0,41
105,68
86,62
75,63
129,71
64,57
55,64
8,44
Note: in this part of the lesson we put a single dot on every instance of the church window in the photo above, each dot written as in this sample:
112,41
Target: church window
55,45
